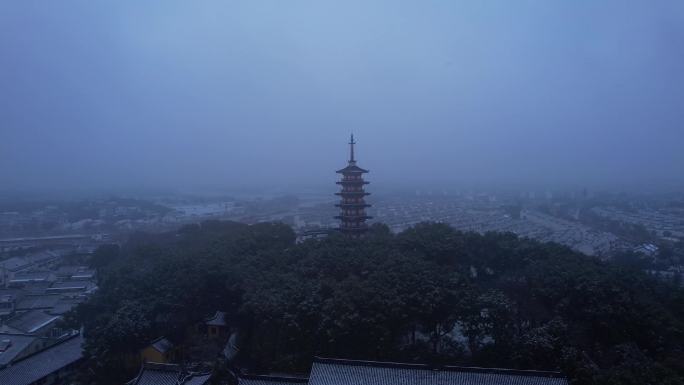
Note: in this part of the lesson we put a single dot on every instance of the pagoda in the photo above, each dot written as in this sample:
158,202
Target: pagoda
352,204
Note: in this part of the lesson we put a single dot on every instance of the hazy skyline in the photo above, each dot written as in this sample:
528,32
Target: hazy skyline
173,94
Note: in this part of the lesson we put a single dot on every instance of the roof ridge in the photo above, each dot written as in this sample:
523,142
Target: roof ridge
158,339
203,373
18,334
158,365
273,378
473,369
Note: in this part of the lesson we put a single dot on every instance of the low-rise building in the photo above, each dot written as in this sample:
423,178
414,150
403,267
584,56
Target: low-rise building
160,350
24,278
75,273
47,366
13,347
72,286
217,325
9,267
8,304
36,322
38,302
647,249
44,260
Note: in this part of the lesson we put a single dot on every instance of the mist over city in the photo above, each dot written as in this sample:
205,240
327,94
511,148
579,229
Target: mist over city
341,193
138,96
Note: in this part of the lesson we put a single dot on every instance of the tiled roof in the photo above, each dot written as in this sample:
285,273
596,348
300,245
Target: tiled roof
65,285
157,374
31,321
42,256
64,305
39,365
17,344
218,319
14,263
197,379
66,271
16,293
153,373
231,349
270,380
75,272
34,288
28,276
162,345
347,372
38,302
72,287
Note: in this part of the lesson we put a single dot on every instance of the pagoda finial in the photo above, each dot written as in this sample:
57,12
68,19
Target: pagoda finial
351,148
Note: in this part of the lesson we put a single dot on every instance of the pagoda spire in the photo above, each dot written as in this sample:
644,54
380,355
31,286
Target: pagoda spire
351,149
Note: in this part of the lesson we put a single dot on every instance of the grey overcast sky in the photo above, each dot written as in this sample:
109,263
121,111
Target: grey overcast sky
157,94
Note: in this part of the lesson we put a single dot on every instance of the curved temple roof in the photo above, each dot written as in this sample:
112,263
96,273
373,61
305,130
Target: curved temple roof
350,372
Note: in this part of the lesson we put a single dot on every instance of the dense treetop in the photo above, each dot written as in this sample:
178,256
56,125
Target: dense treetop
429,294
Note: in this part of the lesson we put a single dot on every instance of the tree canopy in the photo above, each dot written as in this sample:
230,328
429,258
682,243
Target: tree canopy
429,294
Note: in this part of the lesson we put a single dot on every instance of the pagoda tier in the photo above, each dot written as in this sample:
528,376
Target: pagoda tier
352,205
353,218
344,194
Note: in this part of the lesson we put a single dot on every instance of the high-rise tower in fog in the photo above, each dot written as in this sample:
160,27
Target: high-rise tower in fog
352,204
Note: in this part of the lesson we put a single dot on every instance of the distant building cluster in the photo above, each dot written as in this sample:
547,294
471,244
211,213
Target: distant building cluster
36,290
42,277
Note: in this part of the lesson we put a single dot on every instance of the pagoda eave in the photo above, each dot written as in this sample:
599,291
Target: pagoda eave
352,193
352,205
352,170
353,217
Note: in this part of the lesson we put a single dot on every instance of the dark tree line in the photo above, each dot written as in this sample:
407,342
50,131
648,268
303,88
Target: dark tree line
429,294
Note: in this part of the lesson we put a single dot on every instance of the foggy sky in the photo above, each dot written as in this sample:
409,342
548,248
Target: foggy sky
157,94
